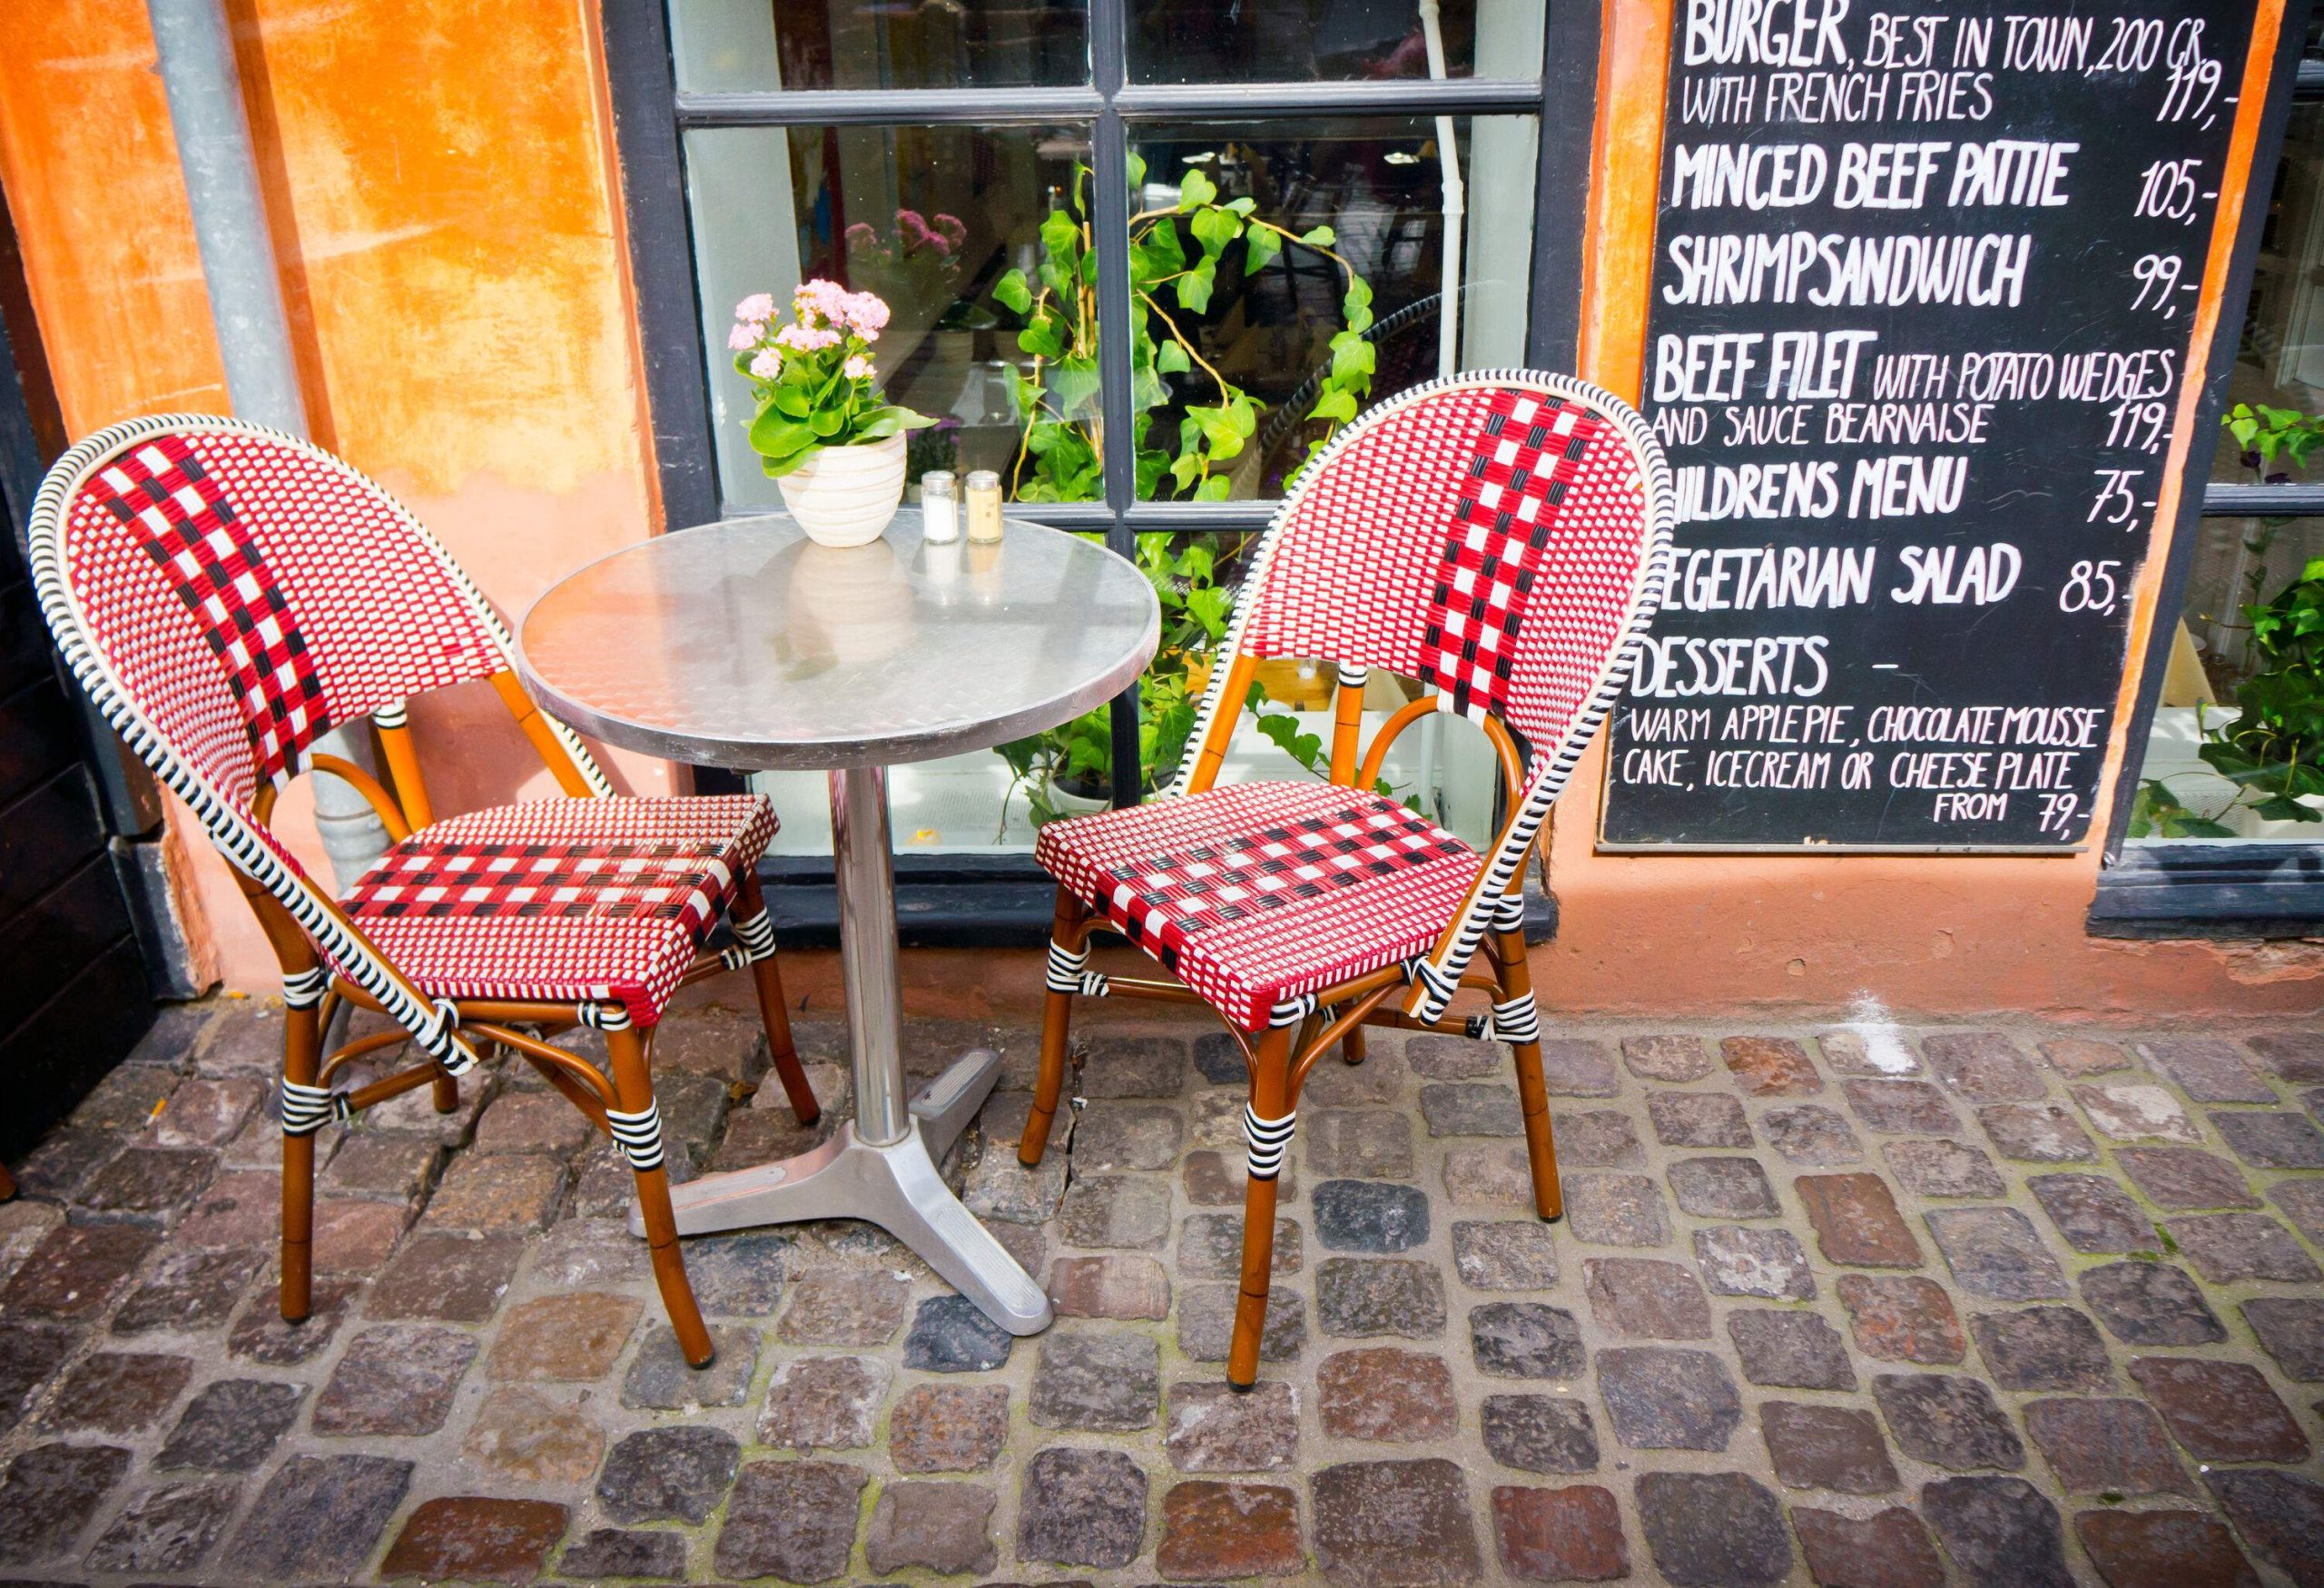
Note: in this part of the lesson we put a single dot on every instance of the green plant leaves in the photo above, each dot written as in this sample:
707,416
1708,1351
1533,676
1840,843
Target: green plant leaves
1170,358
1012,292
1194,190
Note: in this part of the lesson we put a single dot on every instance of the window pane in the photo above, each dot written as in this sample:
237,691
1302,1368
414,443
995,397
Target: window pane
744,46
930,218
993,800
2280,364
2242,692
1287,275
1242,41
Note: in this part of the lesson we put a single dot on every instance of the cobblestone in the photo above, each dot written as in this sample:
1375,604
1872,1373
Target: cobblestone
1560,1536
1667,1397
1383,1522
2087,1307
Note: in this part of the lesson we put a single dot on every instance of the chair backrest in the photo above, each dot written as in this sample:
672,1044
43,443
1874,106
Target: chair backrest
227,594
1501,536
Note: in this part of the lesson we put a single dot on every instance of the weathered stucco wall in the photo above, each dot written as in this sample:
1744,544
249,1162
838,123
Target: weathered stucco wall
443,207
444,194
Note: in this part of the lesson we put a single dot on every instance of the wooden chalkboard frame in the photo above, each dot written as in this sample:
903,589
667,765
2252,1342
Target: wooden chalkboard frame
2158,564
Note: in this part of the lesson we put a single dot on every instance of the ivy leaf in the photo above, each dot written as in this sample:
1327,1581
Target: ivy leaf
1338,403
1194,190
1319,237
1260,247
1136,171
1041,337
1170,358
1213,490
1195,286
1243,206
1012,292
1215,228
1209,605
1352,357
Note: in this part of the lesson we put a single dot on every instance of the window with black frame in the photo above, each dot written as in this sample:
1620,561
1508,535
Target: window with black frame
1221,229
2225,790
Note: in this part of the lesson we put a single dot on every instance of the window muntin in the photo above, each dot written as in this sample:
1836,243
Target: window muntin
761,45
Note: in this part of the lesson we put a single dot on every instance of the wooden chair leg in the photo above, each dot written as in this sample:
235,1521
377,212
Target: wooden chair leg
774,1014
1056,1022
448,1092
1351,1045
301,1061
1270,1100
1532,1091
633,1087
7,1185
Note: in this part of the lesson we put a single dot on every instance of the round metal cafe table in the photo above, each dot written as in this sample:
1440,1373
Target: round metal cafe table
743,644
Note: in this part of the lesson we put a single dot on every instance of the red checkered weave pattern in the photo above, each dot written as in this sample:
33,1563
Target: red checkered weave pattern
1259,893
183,522
199,546
563,901
1484,539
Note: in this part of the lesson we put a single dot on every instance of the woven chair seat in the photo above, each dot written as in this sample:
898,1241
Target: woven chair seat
561,901
1258,894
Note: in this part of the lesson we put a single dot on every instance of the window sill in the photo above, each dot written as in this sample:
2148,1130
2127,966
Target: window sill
954,901
2216,891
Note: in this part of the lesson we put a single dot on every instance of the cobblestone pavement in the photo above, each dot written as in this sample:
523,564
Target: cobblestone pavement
1844,1307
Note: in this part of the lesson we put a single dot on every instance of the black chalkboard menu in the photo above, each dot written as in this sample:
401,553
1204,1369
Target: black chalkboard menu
1923,299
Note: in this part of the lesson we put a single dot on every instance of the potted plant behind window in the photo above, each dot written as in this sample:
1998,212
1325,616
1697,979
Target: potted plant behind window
2269,749
825,433
1177,253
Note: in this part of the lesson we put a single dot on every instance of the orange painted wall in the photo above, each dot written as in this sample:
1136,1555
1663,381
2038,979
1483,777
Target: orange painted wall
445,197
444,202
1928,935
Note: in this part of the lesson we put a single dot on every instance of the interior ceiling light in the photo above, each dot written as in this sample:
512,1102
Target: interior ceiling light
1401,157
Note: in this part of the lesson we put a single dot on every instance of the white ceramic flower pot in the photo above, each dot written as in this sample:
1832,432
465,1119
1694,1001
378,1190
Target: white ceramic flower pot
845,496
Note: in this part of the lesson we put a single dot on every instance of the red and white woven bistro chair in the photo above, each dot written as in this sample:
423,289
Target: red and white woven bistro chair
1503,538
227,594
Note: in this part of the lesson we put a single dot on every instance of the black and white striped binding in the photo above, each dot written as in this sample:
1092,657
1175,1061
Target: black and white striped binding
1518,1021
395,713
753,940
308,1108
1353,678
638,1135
1509,912
1436,985
1269,1139
306,990
1068,972
1290,1011
604,1016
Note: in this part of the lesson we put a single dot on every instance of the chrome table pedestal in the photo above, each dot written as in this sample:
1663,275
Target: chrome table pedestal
741,645
879,1166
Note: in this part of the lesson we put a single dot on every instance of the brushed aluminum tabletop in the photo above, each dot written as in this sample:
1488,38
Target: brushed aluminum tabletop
743,644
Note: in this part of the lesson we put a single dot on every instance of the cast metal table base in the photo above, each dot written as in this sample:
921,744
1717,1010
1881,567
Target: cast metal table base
879,1166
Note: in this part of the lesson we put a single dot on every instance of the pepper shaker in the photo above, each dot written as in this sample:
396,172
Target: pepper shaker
984,506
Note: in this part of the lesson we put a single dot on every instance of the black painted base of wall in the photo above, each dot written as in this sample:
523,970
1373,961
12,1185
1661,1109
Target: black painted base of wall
2213,891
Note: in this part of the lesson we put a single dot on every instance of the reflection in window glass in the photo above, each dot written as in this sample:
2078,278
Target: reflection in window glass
2280,363
2236,750
761,45
1241,41
996,800
1329,294
930,218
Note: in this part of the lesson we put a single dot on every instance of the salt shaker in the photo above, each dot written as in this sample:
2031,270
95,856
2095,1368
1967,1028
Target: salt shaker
984,506
940,507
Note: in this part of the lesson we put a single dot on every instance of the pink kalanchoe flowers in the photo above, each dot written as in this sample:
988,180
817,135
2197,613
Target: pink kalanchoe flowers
767,365
745,334
758,306
858,367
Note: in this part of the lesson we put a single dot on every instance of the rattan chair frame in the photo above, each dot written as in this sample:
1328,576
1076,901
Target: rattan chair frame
452,1034
1482,949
